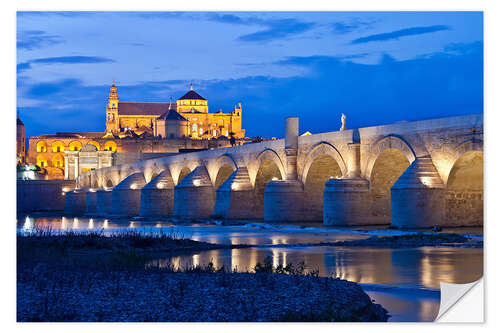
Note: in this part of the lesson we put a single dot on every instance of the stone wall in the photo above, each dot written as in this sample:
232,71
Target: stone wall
42,195
464,207
127,158
377,155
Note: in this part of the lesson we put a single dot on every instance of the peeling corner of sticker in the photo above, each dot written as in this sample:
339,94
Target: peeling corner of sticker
462,303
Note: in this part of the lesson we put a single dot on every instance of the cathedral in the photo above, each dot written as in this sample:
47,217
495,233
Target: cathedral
135,131
159,119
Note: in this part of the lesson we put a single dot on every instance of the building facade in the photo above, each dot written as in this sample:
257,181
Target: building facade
142,117
134,131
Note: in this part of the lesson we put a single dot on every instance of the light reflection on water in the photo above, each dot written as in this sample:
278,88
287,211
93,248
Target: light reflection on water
403,269
422,267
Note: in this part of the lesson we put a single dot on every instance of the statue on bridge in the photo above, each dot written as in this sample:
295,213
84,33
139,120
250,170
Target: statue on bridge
342,119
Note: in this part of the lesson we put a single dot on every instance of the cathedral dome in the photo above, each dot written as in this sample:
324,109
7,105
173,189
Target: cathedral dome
191,94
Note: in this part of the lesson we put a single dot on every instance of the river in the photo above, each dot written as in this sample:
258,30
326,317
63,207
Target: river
404,281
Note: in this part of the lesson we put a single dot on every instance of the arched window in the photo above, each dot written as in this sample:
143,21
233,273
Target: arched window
75,145
41,160
110,146
58,161
195,127
41,147
57,147
94,143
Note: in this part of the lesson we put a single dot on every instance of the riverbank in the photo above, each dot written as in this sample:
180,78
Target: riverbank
92,277
412,240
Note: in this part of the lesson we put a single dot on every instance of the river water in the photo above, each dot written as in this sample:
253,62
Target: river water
404,281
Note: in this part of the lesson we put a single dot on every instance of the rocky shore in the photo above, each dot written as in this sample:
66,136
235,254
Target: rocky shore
73,278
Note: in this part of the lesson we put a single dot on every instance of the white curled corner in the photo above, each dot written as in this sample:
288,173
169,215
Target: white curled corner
461,303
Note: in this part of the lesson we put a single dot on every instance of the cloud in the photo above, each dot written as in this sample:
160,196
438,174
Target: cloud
56,13
158,15
277,29
35,39
400,33
51,88
274,28
21,67
229,18
72,60
464,48
347,27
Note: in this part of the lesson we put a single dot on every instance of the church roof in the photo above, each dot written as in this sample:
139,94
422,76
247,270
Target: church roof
171,115
191,94
142,108
76,135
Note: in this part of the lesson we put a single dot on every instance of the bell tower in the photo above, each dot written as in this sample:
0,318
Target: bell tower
112,110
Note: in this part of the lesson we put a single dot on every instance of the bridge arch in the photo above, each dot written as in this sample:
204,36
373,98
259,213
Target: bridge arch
391,141
266,156
224,167
321,163
152,170
108,183
268,166
319,149
126,172
469,145
390,157
464,185
183,172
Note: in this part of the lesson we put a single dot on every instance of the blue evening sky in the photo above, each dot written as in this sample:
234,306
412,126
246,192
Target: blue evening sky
376,67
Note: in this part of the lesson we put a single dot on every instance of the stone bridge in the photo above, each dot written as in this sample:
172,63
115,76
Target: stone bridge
410,174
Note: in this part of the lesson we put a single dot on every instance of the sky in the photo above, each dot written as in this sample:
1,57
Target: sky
375,67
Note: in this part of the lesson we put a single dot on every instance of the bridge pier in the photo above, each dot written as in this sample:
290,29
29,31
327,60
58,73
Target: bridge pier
418,196
91,201
345,202
126,196
75,202
103,201
235,198
284,199
157,197
195,195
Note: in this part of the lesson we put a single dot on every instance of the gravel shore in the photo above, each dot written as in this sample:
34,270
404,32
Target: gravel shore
47,295
94,278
